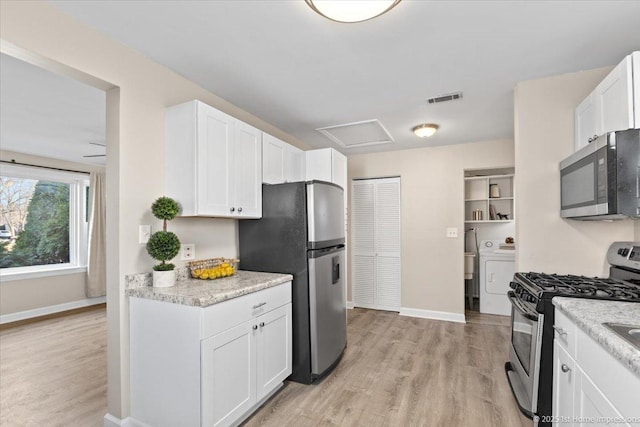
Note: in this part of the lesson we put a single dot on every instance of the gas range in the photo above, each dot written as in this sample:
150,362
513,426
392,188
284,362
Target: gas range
534,287
530,366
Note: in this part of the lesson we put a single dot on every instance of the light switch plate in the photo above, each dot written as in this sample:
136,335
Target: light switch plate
187,251
144,232
452,232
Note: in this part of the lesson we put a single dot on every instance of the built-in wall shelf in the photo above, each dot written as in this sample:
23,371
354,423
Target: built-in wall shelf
481,207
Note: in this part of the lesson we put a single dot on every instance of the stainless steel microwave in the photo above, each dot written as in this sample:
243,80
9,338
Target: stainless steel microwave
602,180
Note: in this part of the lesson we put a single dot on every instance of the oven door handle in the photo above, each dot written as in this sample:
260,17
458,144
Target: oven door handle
521,308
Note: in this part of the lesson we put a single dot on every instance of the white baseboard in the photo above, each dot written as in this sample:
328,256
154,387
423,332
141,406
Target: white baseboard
111,421
349,305
430,314
43,311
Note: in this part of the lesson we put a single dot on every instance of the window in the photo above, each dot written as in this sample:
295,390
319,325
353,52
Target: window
43,220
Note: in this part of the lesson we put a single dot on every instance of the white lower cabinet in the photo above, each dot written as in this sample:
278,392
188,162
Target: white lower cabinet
564,379
590,386
212,366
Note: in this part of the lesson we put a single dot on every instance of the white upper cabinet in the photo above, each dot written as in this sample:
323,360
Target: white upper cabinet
327,164
586,122
281,162
213,163
614,99
613,105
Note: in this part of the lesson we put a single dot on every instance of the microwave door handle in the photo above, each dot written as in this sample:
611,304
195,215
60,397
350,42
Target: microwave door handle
517,305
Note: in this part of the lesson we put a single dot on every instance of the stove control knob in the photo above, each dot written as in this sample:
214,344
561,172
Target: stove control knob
513,285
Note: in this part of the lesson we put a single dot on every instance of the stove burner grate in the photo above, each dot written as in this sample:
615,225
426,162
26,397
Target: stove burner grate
570,285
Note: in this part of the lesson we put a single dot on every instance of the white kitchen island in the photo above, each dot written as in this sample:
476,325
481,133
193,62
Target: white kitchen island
208,353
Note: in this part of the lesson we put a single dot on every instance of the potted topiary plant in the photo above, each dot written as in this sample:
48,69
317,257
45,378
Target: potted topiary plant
164,245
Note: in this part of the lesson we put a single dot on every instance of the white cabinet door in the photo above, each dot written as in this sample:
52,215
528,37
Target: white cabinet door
273,350
294,164
228,363
614,99
635,58
586,122
319,165
591,404
214,160
564,379
339,169
248,171
272,160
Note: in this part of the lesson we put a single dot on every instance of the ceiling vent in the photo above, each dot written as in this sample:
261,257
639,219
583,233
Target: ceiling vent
358,134
445,98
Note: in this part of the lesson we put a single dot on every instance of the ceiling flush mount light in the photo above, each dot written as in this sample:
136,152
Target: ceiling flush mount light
426,130
350,11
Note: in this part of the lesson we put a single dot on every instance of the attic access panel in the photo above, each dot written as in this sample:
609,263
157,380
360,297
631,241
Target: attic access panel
358,134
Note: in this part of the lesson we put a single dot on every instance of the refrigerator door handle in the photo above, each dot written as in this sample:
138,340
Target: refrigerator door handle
335,270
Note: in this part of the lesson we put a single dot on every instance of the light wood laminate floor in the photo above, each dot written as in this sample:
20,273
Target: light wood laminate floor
54,372
397,371
403,371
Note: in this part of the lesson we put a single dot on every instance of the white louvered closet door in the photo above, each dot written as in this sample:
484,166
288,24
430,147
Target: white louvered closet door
362,243
376,243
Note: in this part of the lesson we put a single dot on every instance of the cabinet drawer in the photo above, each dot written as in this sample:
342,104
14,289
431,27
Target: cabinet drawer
564,331
220,317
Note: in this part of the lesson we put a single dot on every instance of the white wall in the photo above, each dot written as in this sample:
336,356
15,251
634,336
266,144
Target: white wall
31,294
543,137
432,199
135,154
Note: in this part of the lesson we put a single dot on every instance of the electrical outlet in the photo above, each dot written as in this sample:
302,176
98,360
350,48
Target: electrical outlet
144,232
187,251
452,232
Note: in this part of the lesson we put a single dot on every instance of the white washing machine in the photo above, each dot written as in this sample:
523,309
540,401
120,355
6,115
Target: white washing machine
497,267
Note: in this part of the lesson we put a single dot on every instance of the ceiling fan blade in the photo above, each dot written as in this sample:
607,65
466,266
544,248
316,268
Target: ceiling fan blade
96,155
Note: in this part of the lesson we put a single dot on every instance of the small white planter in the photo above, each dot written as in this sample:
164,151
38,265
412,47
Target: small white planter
164,279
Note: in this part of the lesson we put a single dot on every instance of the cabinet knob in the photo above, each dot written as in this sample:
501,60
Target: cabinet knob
565,368
589,140
232,209
254,327
261,324
239,209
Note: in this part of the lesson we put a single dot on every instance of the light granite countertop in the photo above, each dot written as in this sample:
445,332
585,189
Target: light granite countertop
203,293
590,315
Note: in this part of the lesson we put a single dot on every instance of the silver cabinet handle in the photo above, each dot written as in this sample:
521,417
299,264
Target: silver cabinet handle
589,139
239,209
232,209
259,305
559,330
565,368
254,327
261,324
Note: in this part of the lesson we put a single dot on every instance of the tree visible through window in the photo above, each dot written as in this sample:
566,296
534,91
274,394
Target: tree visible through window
37,221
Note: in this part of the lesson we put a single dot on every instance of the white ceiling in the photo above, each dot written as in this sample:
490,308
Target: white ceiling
289,66
49,115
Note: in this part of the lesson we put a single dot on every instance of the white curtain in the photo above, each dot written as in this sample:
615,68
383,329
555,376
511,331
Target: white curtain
96,285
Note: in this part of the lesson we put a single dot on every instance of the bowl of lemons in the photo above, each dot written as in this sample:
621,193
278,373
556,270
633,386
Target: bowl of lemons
214,268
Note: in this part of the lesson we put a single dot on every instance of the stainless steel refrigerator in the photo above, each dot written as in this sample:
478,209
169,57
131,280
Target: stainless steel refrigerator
302,233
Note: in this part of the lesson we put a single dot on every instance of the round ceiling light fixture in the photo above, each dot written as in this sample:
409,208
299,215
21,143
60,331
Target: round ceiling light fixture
425,130
350,11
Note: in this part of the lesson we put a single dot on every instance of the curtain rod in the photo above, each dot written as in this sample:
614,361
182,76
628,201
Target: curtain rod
13,162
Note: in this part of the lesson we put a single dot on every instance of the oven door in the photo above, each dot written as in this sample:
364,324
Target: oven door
524,355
